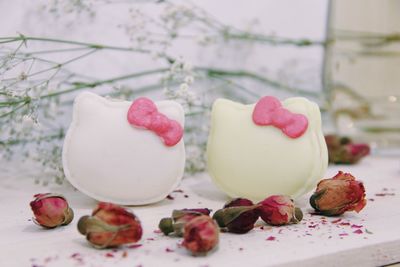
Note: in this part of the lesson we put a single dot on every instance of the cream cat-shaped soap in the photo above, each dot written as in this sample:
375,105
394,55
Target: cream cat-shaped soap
266,148
129,153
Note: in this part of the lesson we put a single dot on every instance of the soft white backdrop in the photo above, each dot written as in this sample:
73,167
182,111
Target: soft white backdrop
292,19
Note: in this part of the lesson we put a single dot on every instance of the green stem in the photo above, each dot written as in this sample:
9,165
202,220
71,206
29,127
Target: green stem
14,110
12,142
79,86
58,50
213,72
63,63
86,44
247,36
147,88
227,81
83,85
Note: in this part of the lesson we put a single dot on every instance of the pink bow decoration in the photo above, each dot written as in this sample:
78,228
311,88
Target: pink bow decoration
143,113
269,111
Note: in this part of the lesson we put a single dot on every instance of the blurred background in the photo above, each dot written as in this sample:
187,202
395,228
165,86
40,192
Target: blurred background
344,55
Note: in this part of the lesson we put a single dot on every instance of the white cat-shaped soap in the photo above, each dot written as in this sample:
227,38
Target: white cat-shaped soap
109,159
246,159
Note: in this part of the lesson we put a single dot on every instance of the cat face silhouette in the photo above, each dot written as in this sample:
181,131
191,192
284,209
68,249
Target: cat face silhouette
110,160
253,161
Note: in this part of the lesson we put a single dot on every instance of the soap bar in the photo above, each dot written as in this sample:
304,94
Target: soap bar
267,148
109,158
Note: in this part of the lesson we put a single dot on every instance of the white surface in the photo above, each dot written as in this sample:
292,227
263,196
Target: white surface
24,244
111,160
254,161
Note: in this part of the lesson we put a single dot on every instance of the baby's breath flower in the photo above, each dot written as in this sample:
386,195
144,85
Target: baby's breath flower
189,79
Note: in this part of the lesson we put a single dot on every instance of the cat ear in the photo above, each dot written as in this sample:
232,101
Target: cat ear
220,107
86,106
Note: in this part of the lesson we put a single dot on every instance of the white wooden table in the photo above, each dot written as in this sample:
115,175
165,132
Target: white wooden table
370,238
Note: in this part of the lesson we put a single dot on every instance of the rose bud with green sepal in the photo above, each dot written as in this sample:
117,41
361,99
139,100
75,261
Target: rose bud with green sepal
51,210
176,223
279,210
110,226
200,235
338,194
237,216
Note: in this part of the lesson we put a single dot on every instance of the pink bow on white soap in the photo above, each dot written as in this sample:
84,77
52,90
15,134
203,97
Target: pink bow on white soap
269,111
143,113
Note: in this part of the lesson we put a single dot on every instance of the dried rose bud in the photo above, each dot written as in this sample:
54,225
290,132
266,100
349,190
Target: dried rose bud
201,234
109,226
342,150
176,223
332,140
238,216
51,210
238,202
279,210
338,194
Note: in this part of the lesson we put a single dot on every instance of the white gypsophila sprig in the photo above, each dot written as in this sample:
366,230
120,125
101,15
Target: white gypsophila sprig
195,158
178,81
61,7
180,84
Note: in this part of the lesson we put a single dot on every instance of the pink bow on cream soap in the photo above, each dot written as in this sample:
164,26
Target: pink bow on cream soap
269,111
143,113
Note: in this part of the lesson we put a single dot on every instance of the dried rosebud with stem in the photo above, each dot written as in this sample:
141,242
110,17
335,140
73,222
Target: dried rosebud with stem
279,210
176,223
110,226
237,216
338,194
200,235
51,210
342,150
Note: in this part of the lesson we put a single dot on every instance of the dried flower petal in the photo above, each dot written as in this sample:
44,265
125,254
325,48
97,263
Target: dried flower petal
338,194
110,225
51,210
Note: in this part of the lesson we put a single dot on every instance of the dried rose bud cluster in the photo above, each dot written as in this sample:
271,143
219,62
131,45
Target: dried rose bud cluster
239,215
342,150
201,232
338,194
111,225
